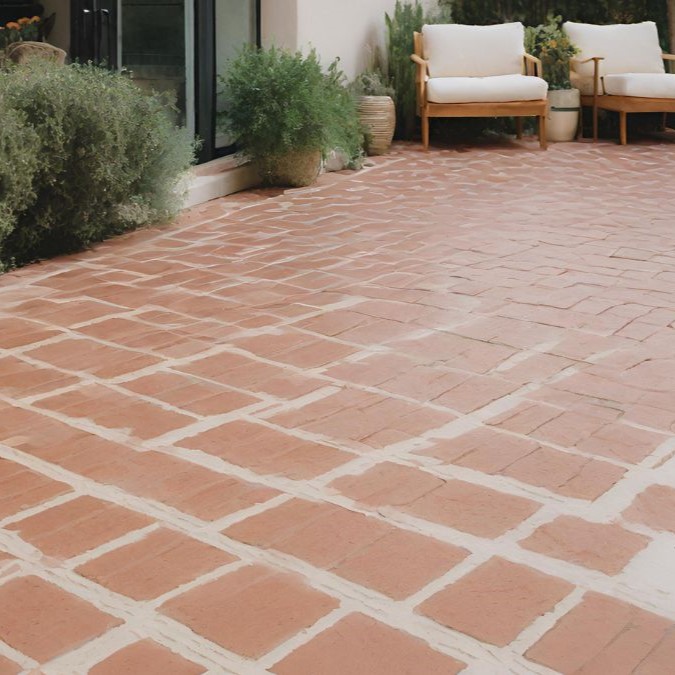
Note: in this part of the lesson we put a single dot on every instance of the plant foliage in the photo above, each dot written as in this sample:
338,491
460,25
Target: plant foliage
549,43
407,18
281,102
371,83
107,158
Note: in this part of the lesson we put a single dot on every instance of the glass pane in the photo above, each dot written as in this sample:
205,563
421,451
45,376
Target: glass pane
236,25
153,47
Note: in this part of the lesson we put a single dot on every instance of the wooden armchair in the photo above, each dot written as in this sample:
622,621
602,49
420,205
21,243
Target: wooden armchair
478,71
621,68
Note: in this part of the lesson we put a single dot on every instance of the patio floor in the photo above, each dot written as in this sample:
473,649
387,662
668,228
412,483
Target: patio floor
416,419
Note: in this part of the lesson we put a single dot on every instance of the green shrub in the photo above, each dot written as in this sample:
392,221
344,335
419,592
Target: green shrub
281,102
406,19
108,158
19,146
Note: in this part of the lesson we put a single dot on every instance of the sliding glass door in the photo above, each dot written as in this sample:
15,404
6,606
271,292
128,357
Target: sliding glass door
177,47
236,24
156,49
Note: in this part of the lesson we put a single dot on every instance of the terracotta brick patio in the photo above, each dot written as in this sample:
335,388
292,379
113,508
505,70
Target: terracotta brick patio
417,419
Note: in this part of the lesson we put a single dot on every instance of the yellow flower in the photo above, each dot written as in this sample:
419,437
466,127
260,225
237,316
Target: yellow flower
35,19
23,20
553,44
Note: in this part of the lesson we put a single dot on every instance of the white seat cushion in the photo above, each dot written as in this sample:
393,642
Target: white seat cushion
643,85
494,89
625,48
456,50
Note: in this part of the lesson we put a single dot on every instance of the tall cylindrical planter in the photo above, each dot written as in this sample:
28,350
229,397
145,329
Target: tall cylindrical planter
563,115
378,116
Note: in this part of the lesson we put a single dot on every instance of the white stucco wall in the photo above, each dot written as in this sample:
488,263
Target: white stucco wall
350,29
61,34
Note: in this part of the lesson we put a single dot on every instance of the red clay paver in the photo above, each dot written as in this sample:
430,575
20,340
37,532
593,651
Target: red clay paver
525,460
252,610
360,645
607,548
603,635
356,394
457,504
418,561
154,565
655,507
21,488
43,621
267,450
146,657
8,667
497,601
77,526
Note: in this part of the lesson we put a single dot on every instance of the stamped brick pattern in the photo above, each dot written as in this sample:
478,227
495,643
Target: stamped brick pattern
413,420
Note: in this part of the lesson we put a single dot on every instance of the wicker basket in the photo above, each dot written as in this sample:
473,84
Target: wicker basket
295,169
378,116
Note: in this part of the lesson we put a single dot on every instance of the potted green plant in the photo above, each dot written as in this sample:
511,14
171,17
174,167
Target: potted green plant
375,103
549,43
286,114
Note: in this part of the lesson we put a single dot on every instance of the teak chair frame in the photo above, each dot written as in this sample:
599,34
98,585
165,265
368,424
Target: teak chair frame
515,109
599,100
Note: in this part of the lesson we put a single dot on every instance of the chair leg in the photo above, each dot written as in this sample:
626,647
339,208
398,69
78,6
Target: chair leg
664,121
595,124
425,129
542,132
519,128
623,127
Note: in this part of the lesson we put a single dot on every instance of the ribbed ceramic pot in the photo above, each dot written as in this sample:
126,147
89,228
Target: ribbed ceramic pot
378,116
563,115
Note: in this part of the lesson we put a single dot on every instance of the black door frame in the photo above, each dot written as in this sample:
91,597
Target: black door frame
206,78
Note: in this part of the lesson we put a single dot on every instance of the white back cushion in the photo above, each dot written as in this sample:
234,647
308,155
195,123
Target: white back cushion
455,50
626,47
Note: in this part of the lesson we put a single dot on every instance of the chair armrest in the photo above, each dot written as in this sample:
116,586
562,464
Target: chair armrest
421,79
596,71
419,61
669,58
533,65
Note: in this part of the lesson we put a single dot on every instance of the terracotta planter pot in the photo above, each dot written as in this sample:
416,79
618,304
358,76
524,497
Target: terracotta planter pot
378,116
563,115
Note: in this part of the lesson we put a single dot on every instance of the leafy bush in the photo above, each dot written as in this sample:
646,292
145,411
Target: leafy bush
107,158
19,145
549,43
281,102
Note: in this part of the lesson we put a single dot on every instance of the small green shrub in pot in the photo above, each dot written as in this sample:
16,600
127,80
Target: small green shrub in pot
285,113
108,158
